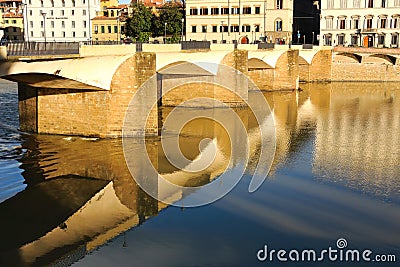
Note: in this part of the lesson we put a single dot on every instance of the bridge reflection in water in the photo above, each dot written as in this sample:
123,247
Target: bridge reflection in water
80,193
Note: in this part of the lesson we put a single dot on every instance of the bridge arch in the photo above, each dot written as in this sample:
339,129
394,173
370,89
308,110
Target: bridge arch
380,58
348,57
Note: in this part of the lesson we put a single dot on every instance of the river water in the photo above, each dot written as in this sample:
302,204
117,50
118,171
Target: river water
336,174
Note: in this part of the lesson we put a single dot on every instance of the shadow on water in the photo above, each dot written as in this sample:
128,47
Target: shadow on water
80,193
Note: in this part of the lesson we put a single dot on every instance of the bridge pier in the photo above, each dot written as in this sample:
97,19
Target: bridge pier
97,113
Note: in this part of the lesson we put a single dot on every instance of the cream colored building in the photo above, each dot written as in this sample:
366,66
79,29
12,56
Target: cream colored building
368,23
225,21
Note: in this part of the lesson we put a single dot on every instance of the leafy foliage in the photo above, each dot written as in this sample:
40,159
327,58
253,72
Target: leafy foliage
144,23
139,25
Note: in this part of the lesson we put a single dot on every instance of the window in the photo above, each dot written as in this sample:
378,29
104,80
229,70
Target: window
52,3
62,13
342,23
52,34
14,29
279,4
73,34
257,10
84,34
194,28
31,24
370,3
356,23
225,10
341,39
83,1
330,4
214,11
356,3
103,29
84,24
278,25
51,12
112,13
41,3
214,28
396,22
62,24
246,28
369,23
52,24
343,3
247,10
383,3
115,29
235,10
234,28
30,12
72,12
96,29
194,11
395,39
14,21
31,34
109,28
381,39
397,3
257,28
354,40
72,24
42,24
84,12
42,34
63,34
73,4
204,28
329,22
204,11
63,3
383,23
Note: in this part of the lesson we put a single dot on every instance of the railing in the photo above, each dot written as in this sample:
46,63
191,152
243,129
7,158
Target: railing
41,48
188,45
266,45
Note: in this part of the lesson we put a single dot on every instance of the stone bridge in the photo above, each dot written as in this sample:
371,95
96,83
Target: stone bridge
89,95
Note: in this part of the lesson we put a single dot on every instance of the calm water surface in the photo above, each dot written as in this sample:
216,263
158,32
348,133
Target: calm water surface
336,174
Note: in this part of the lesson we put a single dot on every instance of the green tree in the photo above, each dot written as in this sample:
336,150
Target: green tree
172,15
138,27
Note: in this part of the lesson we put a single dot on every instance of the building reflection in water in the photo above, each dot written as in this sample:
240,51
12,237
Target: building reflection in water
80,193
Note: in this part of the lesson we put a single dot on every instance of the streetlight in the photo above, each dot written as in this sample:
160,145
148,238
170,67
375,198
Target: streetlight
44,28
25,15
312,37
222,31
165,33
183,20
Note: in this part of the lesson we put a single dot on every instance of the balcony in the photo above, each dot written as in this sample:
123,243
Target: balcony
369,30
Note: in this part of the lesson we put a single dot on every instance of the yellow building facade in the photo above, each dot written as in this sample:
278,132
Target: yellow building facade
13,26
109,24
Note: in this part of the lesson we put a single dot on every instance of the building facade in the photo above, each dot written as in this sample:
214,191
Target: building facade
12,23
60,20
239,20
368,23
109,24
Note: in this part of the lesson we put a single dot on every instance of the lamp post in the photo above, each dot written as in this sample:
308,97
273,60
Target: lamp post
25,16
165,33
222,31
312,37
183,20
44,29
